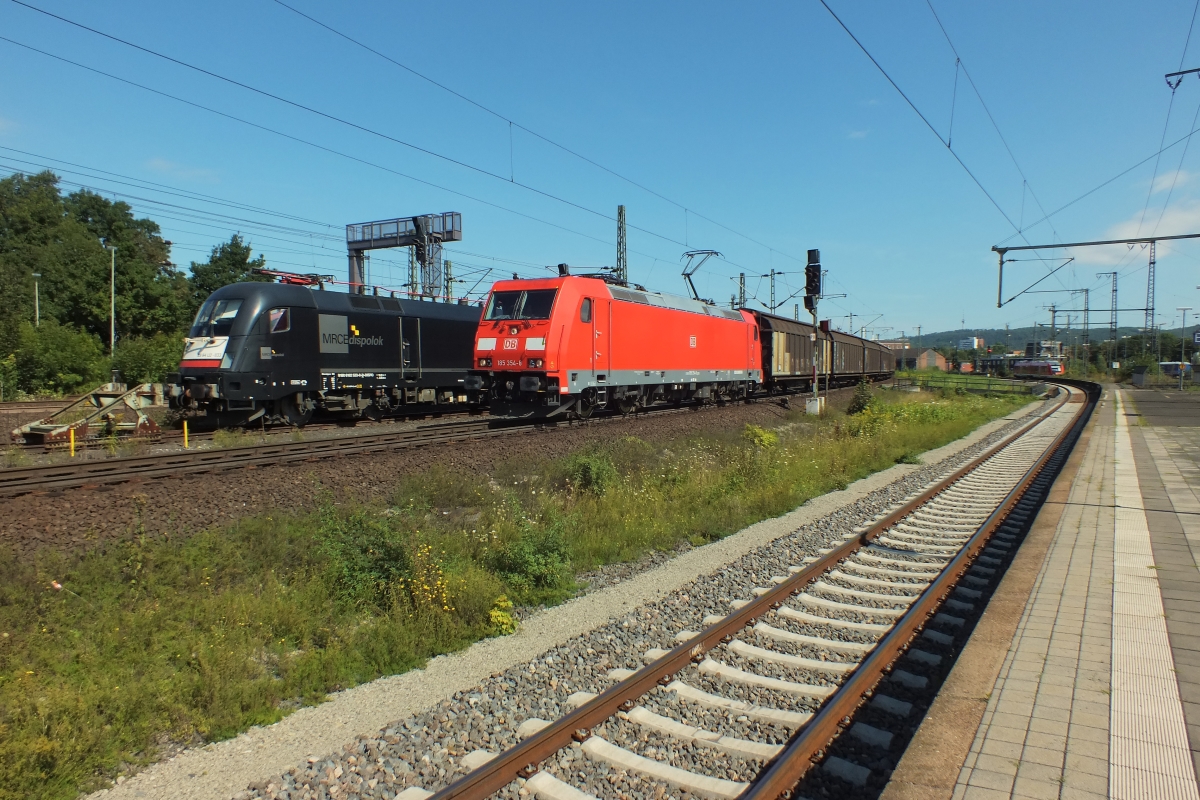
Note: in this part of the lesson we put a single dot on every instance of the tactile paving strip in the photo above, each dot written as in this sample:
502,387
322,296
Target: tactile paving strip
1148,746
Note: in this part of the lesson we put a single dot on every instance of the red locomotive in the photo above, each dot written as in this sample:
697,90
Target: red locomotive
553,346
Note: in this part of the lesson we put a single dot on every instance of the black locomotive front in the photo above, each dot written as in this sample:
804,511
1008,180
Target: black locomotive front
283,352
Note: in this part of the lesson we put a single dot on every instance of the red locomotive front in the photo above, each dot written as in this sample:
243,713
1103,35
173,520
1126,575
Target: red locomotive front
568,345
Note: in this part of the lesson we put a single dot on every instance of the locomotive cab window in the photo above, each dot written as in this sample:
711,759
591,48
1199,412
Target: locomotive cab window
532,304
281,320
585,310
215,317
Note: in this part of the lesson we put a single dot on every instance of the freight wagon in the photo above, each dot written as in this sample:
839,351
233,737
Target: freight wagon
842,359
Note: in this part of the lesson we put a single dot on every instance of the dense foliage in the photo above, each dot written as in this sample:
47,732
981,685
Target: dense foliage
59,237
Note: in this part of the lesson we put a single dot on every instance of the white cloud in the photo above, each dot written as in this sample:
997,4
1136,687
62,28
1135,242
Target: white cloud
1180,217
7,125
1176,178
857,134
181,171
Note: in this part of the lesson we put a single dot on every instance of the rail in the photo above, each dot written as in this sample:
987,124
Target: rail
75,473
783,771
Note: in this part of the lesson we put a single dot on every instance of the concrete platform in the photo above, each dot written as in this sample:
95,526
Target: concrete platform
1085,679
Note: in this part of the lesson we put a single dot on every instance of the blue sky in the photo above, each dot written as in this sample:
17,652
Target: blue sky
766,123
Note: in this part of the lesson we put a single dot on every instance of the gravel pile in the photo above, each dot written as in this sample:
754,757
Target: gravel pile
426,749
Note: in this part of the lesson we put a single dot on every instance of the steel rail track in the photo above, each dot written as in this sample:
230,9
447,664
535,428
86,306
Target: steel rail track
926,545
117,470
175,435
56,477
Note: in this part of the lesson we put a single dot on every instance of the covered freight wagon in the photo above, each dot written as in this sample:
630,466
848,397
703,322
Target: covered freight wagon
842,359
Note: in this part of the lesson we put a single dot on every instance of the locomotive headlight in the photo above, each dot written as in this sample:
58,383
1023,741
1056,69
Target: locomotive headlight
535,363
485,362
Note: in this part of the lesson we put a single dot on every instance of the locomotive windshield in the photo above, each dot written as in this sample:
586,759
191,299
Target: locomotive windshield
532,304
215,317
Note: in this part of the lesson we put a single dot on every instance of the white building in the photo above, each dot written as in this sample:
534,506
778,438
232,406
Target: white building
973,343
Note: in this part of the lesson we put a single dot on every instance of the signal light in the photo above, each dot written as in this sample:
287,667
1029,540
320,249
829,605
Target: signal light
812,275
485,362
535,363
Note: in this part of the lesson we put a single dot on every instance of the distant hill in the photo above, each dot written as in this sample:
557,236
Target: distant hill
1017,337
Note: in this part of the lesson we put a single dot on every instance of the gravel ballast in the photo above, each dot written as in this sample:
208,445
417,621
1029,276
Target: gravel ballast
413,729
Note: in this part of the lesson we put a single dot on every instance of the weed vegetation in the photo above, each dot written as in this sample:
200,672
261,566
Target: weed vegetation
110,659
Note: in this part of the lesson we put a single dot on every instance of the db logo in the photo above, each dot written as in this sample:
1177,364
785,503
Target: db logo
510,344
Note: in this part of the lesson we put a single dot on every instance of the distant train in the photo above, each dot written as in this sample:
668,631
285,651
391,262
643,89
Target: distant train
284,351
569,345
1037,367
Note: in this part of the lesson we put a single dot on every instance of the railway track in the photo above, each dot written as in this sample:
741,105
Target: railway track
56,477
86,472
770,685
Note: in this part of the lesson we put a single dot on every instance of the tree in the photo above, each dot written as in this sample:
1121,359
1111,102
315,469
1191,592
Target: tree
59,237
863,398
152,295
230,262
59,358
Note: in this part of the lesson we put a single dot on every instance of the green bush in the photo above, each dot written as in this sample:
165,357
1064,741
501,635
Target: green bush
148,359
863,398
9,384
365,557
760,436
591,472
539,558
59,359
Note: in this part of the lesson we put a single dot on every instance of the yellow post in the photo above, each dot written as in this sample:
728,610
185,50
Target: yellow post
72,442
185,445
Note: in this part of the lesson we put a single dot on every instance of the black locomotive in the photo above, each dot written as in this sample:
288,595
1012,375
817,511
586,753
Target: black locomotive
284,351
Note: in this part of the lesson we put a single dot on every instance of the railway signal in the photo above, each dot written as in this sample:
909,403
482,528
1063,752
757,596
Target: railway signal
812,293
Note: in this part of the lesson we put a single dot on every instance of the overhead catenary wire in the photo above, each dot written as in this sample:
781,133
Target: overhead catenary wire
1166,124
244,226
345,122
160,187
308,143
1100,186
918,112
361,128
342,154
925,119
988,111
175,191
514,124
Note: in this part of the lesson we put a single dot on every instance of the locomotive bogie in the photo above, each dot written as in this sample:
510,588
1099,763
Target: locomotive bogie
284,352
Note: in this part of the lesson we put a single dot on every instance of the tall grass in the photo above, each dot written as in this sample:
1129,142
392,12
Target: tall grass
107,658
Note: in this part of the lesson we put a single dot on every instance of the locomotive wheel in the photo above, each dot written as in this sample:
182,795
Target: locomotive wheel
296,410
627,405
583,409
